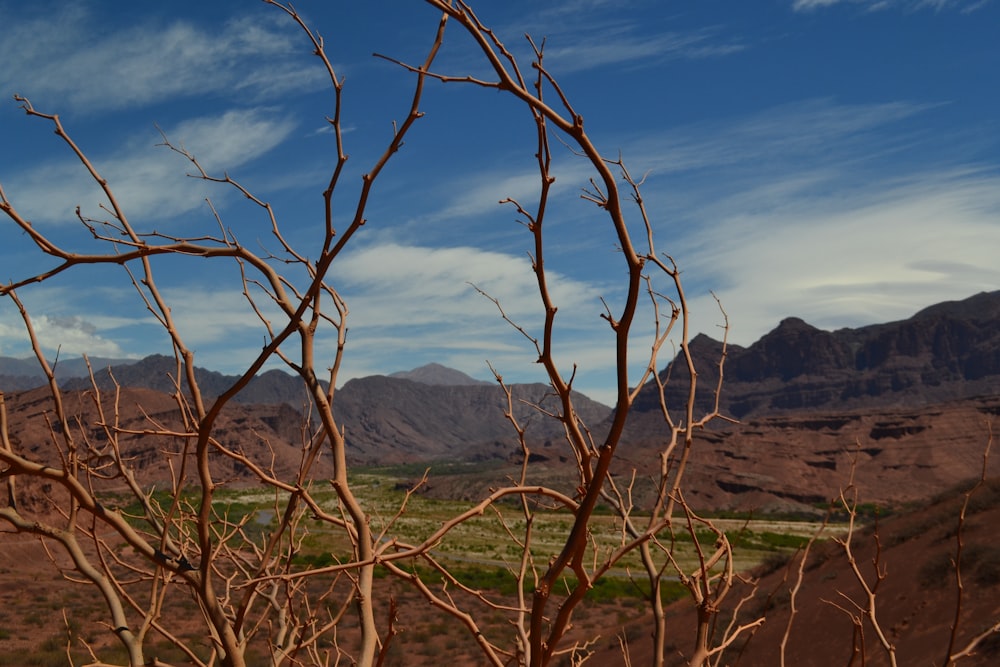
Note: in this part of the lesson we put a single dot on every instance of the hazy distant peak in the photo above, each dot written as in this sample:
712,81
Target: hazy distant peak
796,323
436,374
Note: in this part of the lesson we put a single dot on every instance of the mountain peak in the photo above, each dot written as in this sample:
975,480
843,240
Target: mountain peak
436,374
794,324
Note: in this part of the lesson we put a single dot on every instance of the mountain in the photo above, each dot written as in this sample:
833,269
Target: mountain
440,414
436,374
20,374
909,401
945,352
392,420
158,372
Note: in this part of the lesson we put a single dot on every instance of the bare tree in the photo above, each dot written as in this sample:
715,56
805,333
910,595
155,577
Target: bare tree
251,594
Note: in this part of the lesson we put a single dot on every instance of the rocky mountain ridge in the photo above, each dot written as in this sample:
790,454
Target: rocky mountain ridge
946,352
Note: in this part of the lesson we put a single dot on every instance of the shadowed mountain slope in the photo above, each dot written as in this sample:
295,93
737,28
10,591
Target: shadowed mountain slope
945,352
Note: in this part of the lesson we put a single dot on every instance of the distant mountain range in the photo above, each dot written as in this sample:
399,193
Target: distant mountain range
18,374
429,413
803,396
945,352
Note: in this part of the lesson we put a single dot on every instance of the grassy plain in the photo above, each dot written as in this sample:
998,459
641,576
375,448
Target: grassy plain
482,551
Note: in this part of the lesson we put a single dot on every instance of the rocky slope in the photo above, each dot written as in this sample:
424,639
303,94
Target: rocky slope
945,352
797,461
391,420
270,434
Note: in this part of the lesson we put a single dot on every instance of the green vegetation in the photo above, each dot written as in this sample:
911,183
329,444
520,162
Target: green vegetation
479,551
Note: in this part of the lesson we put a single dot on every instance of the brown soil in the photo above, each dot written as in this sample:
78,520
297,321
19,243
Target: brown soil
916,599
42,610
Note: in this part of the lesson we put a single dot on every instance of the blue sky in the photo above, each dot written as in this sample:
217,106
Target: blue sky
835,160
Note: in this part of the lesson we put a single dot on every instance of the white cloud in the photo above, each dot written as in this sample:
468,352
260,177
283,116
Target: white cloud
74,335
70,335
216,322
584,34
150,183
207,316
808,5
872,254
233,138
100,320
411,300
397,284
68,55
480,194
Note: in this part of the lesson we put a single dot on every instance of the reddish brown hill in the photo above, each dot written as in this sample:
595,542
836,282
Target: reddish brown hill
258,430
916,600
787,462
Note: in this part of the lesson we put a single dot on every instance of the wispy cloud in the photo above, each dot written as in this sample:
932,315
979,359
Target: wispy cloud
964,6
825,211
809,129
807,5
624,43
479,194
151,183
66,55
586,34
212,319
216,322
413,285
